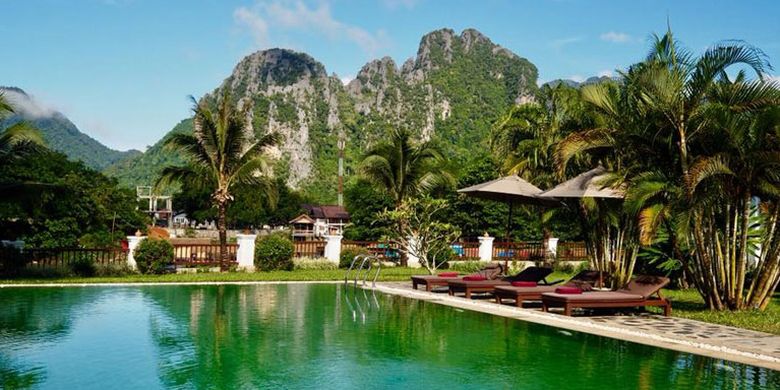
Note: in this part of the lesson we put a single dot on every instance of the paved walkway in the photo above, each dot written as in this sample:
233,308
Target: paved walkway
717,341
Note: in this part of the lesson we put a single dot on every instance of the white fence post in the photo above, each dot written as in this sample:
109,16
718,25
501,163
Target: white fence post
552,248
333,247
486,248
245,254
132,243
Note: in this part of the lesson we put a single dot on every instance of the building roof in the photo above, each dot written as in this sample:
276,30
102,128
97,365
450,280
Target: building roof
303,218
326,211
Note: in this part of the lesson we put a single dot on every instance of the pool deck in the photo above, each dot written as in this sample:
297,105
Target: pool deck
680,334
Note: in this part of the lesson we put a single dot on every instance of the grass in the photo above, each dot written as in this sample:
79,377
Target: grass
685,303
688,304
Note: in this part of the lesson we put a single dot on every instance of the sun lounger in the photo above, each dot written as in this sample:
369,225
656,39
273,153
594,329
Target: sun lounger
520,294
490,272
639,292
530,274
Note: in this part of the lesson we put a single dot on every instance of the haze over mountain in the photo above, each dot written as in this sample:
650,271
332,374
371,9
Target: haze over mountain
59,132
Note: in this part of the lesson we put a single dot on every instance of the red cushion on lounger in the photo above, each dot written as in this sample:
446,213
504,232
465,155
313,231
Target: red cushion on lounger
448,274
474,278
524,284
568,290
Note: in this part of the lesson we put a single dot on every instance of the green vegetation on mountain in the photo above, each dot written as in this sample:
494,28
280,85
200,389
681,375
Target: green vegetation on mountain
59,133
452,91
144,169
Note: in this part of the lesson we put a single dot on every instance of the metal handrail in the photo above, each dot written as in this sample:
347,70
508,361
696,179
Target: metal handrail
351,266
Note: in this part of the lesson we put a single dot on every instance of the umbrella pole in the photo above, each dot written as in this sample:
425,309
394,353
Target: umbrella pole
509,224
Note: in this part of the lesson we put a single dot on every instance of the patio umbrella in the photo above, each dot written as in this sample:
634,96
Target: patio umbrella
511,190
584,185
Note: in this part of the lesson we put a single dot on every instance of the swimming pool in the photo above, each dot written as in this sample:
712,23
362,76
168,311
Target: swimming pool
315,336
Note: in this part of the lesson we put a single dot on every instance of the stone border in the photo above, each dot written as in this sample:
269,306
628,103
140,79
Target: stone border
579,325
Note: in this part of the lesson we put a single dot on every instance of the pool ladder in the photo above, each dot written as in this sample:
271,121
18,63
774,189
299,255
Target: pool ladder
363,260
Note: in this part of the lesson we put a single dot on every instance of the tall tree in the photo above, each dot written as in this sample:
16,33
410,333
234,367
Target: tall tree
404,167
222,152
682,135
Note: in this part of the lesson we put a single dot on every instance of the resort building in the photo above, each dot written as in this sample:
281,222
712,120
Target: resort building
319,221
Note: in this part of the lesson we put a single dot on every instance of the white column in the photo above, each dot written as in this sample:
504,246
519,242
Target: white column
412,259
333,247
245,254
552,247
132,243
486,248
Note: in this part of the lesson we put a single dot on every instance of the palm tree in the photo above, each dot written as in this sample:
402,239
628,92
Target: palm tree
677,131
18,139
404,167
222,152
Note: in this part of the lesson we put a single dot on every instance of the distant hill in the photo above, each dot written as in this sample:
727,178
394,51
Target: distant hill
451,91
143,168
577,84
59,132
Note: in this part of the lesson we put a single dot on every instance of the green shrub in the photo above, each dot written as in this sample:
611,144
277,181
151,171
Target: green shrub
154,256
117,269
347,255
466,267
316,264
274,252
83,265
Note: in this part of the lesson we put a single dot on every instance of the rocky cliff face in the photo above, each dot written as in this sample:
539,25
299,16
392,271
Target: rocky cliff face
452,90
289,93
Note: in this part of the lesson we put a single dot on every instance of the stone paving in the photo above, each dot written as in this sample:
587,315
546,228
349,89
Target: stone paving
718,341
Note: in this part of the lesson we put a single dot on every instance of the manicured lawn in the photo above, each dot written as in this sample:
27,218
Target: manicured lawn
688,304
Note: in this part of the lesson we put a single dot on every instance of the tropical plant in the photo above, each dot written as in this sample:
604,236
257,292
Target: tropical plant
423,236
404,168
153,256
222,152
274,252
696,149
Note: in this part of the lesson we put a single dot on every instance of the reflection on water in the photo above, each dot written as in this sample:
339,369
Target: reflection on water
314,336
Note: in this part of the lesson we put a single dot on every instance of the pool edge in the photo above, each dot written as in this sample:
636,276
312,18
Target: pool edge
575,324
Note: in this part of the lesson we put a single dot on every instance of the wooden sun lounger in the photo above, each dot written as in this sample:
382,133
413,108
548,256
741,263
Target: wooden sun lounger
491,271
640,292
522,294
530,274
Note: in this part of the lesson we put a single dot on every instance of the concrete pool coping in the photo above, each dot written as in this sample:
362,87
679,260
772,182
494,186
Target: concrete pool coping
737,350
741,348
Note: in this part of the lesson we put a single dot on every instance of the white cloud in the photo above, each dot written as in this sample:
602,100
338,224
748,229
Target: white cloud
280,16
616,37
606,73
346,79
559,43
254,23
577,77
27,105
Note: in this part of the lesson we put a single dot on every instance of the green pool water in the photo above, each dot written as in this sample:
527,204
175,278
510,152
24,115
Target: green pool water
315,336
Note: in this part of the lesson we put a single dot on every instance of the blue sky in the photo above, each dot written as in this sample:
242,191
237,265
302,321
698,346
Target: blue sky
122,69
